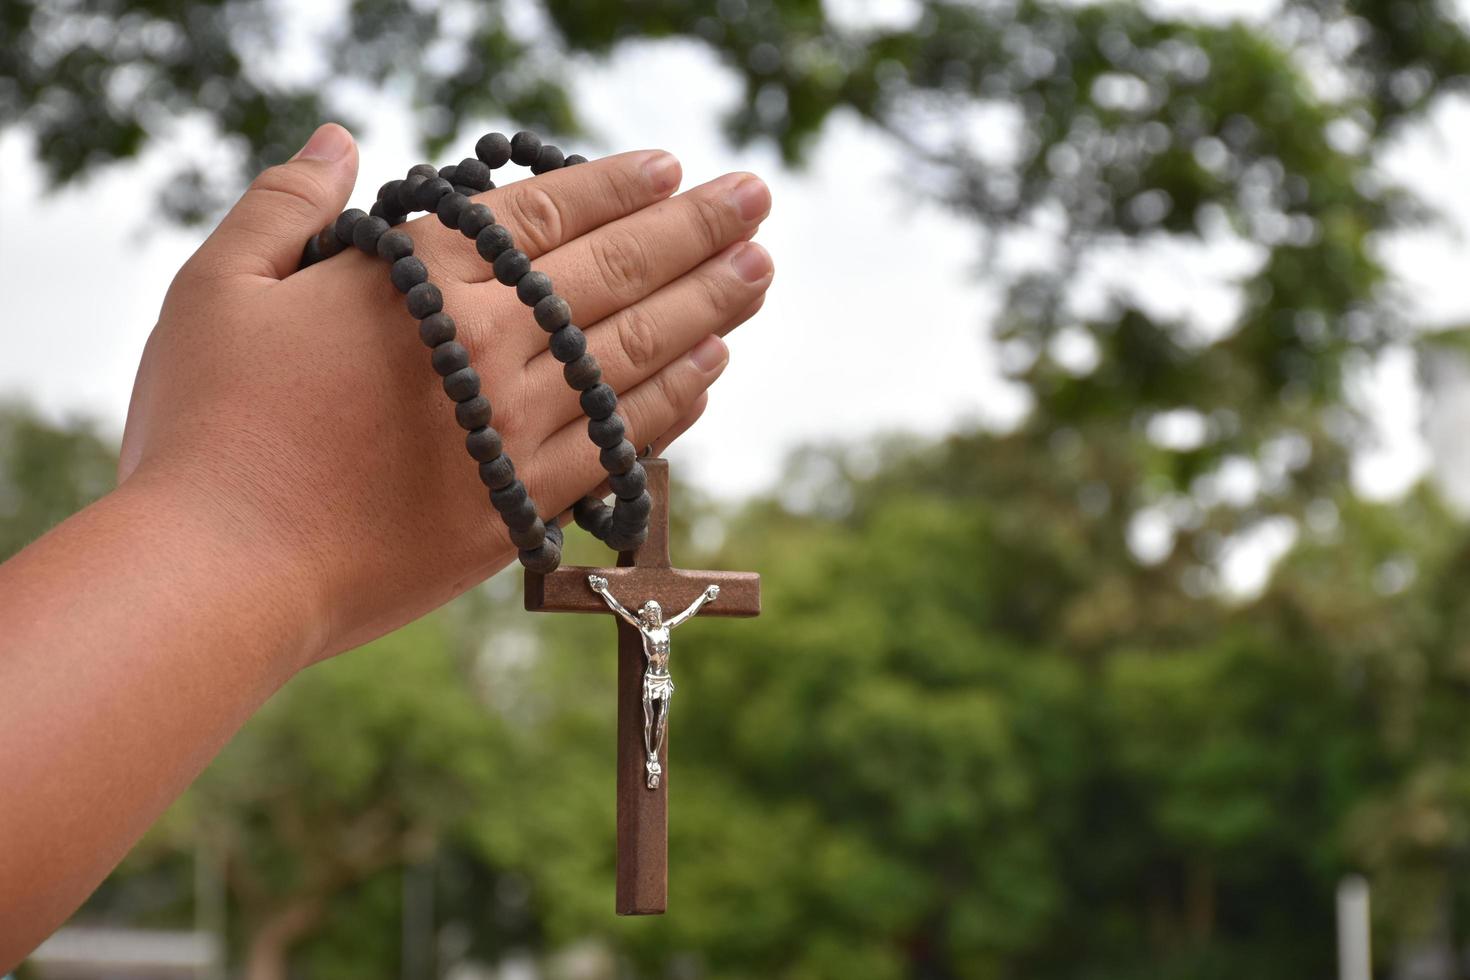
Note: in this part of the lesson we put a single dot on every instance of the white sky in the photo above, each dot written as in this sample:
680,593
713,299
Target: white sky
839,352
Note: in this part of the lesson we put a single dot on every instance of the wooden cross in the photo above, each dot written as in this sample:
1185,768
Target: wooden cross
648,573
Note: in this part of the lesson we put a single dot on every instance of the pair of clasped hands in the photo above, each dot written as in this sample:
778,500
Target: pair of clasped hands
293,483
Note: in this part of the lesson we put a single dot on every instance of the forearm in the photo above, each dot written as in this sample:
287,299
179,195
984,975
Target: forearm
135,638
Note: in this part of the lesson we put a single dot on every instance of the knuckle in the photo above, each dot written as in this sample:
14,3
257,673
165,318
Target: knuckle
638,338
721,291
710,217
536,218
291,189
622,260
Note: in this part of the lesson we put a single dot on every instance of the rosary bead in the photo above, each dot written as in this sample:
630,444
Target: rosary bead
619,459
408,193
474,413
369,232
437,329
629,484
585,512
624,539
475,219
568,343
328,242
424,300
491,242
426,197
635,509
493,149
473,172
347,222
448,358
606,433
483,445
553,313
542,560
462,385
533,287
549,158
530,537
553,533
450,205
465,189
389,192
510,265
497,472
602,524
312,253
524,147
509,497
599,401
425,170
574,159
520,516
583,373
393,245
408,272
447,172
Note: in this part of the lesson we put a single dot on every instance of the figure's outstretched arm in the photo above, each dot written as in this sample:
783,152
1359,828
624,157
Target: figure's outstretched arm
708,595
599,585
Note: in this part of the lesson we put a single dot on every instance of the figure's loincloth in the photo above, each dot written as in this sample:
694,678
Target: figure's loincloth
656,688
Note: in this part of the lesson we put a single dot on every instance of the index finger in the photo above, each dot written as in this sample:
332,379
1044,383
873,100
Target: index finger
551,209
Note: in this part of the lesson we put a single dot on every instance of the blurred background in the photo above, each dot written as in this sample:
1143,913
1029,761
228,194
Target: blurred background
1102,446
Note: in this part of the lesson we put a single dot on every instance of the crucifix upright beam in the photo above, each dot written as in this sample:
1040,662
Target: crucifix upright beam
648,573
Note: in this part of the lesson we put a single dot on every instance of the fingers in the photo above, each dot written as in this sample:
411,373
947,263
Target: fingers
628,259
566,466
644,337
263,235
545,212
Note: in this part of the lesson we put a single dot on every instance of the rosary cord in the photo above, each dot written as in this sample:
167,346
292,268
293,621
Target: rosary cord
447,192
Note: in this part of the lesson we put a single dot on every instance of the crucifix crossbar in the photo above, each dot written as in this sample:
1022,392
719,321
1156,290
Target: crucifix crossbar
641,575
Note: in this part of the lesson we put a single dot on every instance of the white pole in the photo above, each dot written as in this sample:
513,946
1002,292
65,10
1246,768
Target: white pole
1354,952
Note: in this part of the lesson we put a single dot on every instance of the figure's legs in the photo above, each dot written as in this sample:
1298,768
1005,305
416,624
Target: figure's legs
650,750
659,723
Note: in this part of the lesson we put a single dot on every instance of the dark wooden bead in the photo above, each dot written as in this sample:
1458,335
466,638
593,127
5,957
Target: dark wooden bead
437,329
473,172
450,206
475,219
381,210
394,245
426,197
510,265
543,560
629,484
553,534
424,300
447,172
473,414
583,373
493,242
408,193
462,385
408,272
606,433
346,223
425,170
573,159
509,497
521,516
493,149
602,525
395,219
634,510
369,232
548,159
328,241
599,401
568,344
483,445
529,537
388,193
585,512
466,190
552,313
533,287
312,253
624,539
449,357
524,148
619,459
497,472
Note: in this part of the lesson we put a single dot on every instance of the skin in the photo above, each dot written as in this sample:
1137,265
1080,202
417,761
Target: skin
293,484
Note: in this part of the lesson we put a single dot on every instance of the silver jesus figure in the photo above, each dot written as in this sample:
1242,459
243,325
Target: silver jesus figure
658,686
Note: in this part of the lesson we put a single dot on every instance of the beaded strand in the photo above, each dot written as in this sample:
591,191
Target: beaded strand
447,192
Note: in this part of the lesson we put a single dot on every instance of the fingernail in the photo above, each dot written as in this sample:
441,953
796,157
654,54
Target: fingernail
709,353
329,142
662,171
751,262
752,199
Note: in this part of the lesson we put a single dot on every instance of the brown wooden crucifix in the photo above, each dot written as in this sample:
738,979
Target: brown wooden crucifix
641,575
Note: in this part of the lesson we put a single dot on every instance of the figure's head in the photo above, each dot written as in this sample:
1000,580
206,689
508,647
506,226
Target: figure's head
652,613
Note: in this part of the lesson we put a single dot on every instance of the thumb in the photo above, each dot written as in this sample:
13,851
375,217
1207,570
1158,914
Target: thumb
264,233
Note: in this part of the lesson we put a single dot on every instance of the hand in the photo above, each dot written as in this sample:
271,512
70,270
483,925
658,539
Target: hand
302,408
712,593
598,583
